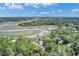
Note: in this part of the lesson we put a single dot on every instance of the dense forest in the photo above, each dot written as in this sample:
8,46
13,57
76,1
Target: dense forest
58,21
63,41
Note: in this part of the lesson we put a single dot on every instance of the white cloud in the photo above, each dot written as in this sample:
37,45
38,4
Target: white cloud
46,4
37,5
60,10
2,8
14,6
44,13
26,4
75,10
49,4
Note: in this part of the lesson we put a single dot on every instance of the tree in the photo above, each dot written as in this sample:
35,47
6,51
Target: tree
6,46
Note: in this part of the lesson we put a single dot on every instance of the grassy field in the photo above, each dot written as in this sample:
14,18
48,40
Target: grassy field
12,28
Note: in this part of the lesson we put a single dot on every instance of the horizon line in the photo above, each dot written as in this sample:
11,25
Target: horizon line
37,16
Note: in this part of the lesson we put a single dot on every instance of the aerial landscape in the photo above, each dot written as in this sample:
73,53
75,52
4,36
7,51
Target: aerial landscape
39,29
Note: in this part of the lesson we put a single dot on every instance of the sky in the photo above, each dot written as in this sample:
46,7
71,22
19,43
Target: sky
39,9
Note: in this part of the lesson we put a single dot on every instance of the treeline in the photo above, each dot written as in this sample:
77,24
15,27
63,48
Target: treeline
36,23
14,19
58,21
43,21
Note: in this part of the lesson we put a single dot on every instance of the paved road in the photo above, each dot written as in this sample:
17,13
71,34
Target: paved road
17,30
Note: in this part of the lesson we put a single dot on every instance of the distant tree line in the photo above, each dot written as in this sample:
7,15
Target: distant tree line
58,21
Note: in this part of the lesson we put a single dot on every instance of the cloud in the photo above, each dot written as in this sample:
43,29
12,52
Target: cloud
49,4
3,8
60,10
44,12
37,5
46,4
14,6
75,10
26,4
